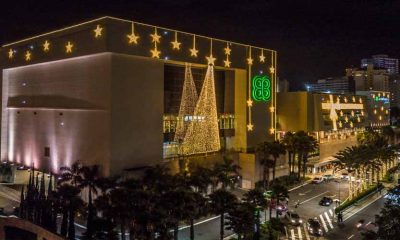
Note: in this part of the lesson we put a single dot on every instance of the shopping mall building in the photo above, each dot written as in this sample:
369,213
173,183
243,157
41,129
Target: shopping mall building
123,95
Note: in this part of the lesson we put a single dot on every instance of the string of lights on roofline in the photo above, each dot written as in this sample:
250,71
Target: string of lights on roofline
134,38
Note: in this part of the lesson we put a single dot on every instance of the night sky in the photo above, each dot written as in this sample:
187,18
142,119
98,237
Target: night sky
314,39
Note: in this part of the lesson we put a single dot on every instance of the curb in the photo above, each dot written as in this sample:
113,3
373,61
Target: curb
304,184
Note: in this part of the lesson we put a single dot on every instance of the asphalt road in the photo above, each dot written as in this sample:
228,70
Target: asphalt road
349,229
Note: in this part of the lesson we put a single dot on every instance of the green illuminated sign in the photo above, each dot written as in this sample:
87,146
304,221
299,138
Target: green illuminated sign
261,88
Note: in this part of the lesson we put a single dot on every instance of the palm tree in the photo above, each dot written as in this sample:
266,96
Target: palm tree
304,145
222,201
71,174
200,179
241,221
89,178
227,173
70,202
265,162
255,198
289,143
278,192
276,149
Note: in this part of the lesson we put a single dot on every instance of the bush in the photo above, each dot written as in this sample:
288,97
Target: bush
348,203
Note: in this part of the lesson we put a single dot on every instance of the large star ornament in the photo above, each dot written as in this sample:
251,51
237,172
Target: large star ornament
211,59
133,38
176,45
97,31
193,52
155,53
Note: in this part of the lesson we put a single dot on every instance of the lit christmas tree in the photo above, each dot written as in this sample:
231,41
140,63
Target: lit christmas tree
203,134
188,104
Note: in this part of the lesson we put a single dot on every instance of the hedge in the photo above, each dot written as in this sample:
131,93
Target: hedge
346,204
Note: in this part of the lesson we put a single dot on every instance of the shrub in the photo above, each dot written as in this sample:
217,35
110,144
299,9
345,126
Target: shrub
348,203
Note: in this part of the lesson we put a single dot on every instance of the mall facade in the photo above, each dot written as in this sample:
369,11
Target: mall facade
115,93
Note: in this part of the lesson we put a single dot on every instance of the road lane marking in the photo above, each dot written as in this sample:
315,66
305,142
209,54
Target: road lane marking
331,212
292,234
323,223
287,235
368,223
306,232
328,219
313,197
359,210
350,237
299,231
204,221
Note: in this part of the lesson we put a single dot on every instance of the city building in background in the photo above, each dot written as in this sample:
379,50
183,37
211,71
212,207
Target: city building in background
382,61
378,107
369,78
115,93
394,86
283,85
339,85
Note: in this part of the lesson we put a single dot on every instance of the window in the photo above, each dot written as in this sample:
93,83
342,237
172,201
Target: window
46,151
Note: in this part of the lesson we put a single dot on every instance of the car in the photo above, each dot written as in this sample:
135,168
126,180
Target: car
345,176
326,201
314,227
327,177
293,218
317,180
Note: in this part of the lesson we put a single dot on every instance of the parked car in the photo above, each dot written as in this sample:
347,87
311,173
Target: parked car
317,180
314,227
293,218
326,201
327,177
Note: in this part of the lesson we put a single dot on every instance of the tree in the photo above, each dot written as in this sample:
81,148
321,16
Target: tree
279,192
89,176
241,221
222,201
389,218
255,199
305,144
265,162
227,173
289,143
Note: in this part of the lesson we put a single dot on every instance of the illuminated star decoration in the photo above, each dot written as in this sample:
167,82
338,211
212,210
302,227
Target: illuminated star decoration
272,130
272,109
272,70
249,59
211,59
249,103
97,31
10,53
250,127
68,47
28,56
194,51
262,57
227,50
155,38
175,44
46,46
133,38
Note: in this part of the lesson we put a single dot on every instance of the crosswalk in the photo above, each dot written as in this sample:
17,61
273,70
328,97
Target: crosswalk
301,232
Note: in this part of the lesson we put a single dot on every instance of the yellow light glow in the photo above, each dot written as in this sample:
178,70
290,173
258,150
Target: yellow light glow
354,99
345,99
249,103
387,112
46,46
272,109
379,95
374,111
382,108
28,56
133,38
262,57
250,127
358,119
97,31
271,131
155,38
10,53
68,47
362,113
210,60
351,124
249,60
380,117
193,50
340,124
352,113
272,70
227,50
155,53
227,63
360,100
175,44
341,113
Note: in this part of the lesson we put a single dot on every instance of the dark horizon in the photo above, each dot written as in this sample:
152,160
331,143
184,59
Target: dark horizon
314,39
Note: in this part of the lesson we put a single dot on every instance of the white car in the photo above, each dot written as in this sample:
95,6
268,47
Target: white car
293,218
317,180
345,176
